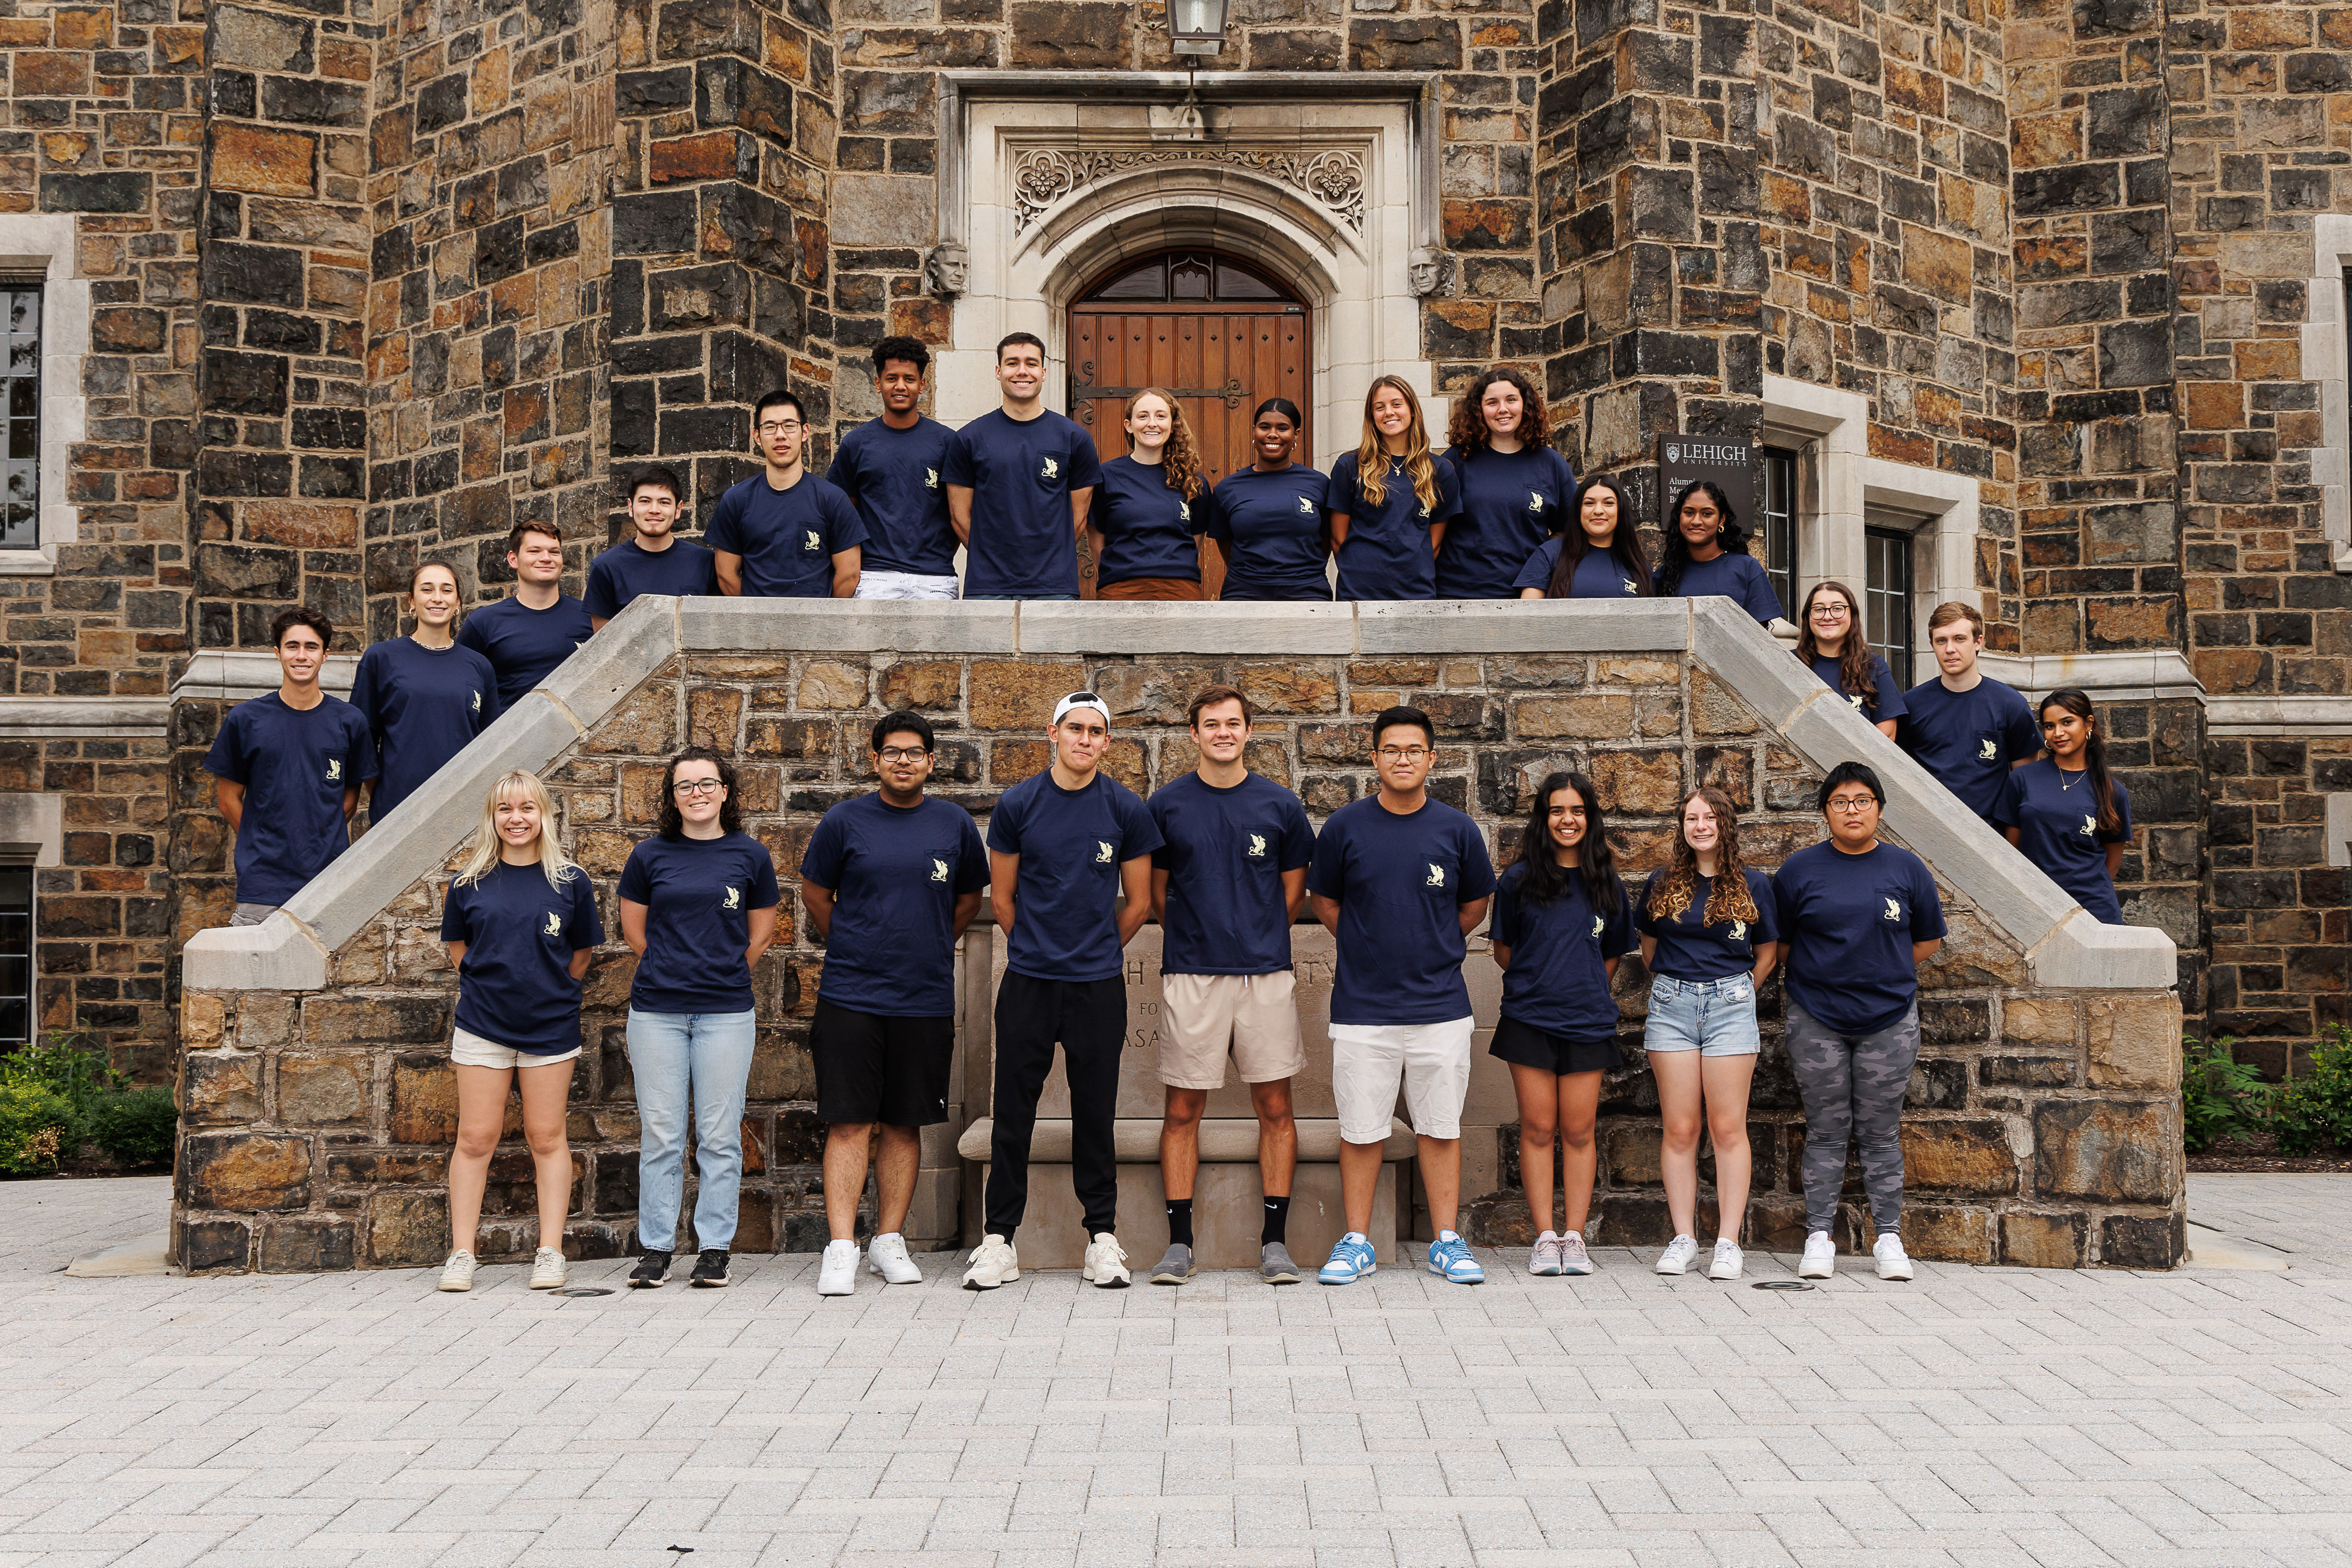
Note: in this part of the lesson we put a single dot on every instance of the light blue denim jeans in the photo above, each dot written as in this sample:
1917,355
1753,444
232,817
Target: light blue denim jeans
673,1057
1713,1017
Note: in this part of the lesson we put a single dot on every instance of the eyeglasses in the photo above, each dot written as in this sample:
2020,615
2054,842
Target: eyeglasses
1403,754
903,753
781,426
684,787
1831,612
1851,804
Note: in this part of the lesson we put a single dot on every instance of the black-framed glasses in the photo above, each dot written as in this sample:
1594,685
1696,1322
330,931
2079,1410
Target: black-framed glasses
686,787
1403,754
903,753
781,426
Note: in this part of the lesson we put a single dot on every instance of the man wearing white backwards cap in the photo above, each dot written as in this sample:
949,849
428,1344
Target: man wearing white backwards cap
1062,846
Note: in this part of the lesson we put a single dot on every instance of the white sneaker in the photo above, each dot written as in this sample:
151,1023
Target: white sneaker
1106,1265
993,1263
458,1274
1727,1259
1894,1263
547,1270
1678,1255
837,1275
887,1255
1819,1260
1545,1259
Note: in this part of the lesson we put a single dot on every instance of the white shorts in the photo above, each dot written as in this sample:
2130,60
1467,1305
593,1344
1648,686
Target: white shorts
1368,1059
1252,1017
873,584
470,1050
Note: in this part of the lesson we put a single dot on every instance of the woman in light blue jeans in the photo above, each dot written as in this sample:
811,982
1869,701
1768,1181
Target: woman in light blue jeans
698,908
1707,923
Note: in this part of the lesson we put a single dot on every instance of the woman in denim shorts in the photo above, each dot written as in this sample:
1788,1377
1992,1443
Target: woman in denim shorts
1707,935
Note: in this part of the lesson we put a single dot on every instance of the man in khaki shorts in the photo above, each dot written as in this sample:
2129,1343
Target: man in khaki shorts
1225,883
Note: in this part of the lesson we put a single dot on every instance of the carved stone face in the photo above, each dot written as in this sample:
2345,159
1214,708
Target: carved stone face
951,271
1424,270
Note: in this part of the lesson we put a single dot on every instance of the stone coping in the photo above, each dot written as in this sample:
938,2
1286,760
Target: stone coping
2064,944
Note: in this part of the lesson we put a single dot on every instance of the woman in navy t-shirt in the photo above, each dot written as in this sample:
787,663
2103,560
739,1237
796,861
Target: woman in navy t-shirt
1560,924
697,907
1516,489
1390,501
423,697
1831,644
2066,812
1706,552
521,925
1600,557
1149,511
1707,935
1267,536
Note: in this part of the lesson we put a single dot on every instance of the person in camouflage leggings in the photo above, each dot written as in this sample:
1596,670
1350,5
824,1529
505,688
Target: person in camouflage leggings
1853,1087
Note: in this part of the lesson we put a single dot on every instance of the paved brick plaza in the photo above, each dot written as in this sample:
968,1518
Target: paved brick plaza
1980,1417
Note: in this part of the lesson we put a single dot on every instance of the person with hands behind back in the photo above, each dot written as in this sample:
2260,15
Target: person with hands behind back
1389,500
1267,537
2066,813
784,534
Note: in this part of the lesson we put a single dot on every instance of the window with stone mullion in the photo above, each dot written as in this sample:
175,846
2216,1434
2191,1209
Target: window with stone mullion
20,389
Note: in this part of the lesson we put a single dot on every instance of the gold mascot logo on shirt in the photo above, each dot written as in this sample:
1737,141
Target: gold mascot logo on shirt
554,924
334,770
1102,853
1052,470
1987,751
1257,844
938,870
734,900
1893,910
1436,876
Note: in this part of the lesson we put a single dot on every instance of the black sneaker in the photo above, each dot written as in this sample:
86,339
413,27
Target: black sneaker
710,1269
650,1271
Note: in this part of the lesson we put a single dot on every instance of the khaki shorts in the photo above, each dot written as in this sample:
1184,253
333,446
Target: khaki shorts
1256,1015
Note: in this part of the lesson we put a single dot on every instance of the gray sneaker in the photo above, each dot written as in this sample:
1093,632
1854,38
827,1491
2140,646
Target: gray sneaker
1174,1269
1275,1266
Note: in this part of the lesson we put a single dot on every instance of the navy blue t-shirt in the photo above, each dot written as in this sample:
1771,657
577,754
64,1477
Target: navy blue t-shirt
1021,473
1386,553
515,985
1147,529
1877,706
524,645
1600,575
295,764
1557,981
1971,739
423,706
896,874
2058,829
1401,882
1690,949
1736,577
895,479
1511,502
698,895
1848,923
787,538
1225,851
629,569
1071,843
1271,526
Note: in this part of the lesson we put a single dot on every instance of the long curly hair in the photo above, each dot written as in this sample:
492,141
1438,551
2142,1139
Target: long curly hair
1179,460
1674,557
1596,862
1855,677
2073,700
731,815
1624,546
1672,890
1372,457
1468,430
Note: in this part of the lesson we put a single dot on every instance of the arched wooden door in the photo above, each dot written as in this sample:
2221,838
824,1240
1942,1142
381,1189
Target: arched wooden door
1221,335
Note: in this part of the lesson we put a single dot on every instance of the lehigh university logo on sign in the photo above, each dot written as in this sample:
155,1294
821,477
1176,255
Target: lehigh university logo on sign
1731,465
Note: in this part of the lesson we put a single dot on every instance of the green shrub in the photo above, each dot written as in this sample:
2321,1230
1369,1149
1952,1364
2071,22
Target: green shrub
2220,1097
136,1126
35,1126
2314,1106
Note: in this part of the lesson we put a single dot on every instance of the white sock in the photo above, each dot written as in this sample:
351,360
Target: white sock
1447,1235
1546,1235
1358,1236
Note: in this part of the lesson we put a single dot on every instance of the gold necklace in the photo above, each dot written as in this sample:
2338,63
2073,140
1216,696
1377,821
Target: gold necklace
2065,784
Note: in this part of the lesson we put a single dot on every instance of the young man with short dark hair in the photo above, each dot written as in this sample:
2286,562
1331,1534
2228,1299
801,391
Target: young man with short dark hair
653,560
891,469
1401,879
784,534
890,880
539,626
1965,727
1062,846
1020,481
290,766
1230,873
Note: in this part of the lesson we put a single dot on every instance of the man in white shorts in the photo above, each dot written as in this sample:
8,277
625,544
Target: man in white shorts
889,470
1230,873
1401,880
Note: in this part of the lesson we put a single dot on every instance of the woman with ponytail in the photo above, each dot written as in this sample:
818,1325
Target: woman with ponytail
1516,489
1600,557
1831,645
1267,538
2066,812
1390,501
1143,534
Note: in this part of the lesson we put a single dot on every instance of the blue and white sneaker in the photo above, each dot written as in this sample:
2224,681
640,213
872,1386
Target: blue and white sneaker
1351,1260
1450,1255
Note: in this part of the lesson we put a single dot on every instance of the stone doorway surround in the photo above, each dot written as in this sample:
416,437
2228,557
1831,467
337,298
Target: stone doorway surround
1327,180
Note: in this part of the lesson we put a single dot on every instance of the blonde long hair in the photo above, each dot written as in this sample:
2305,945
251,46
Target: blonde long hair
484,853
1179,460
1372,457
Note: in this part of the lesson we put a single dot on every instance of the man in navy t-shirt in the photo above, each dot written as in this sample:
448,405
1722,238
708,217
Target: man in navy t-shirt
1230,873
1063,848
290,767
1019,483
526,636
890,880
891,469
1964,727
653,560
1401,879
784,533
